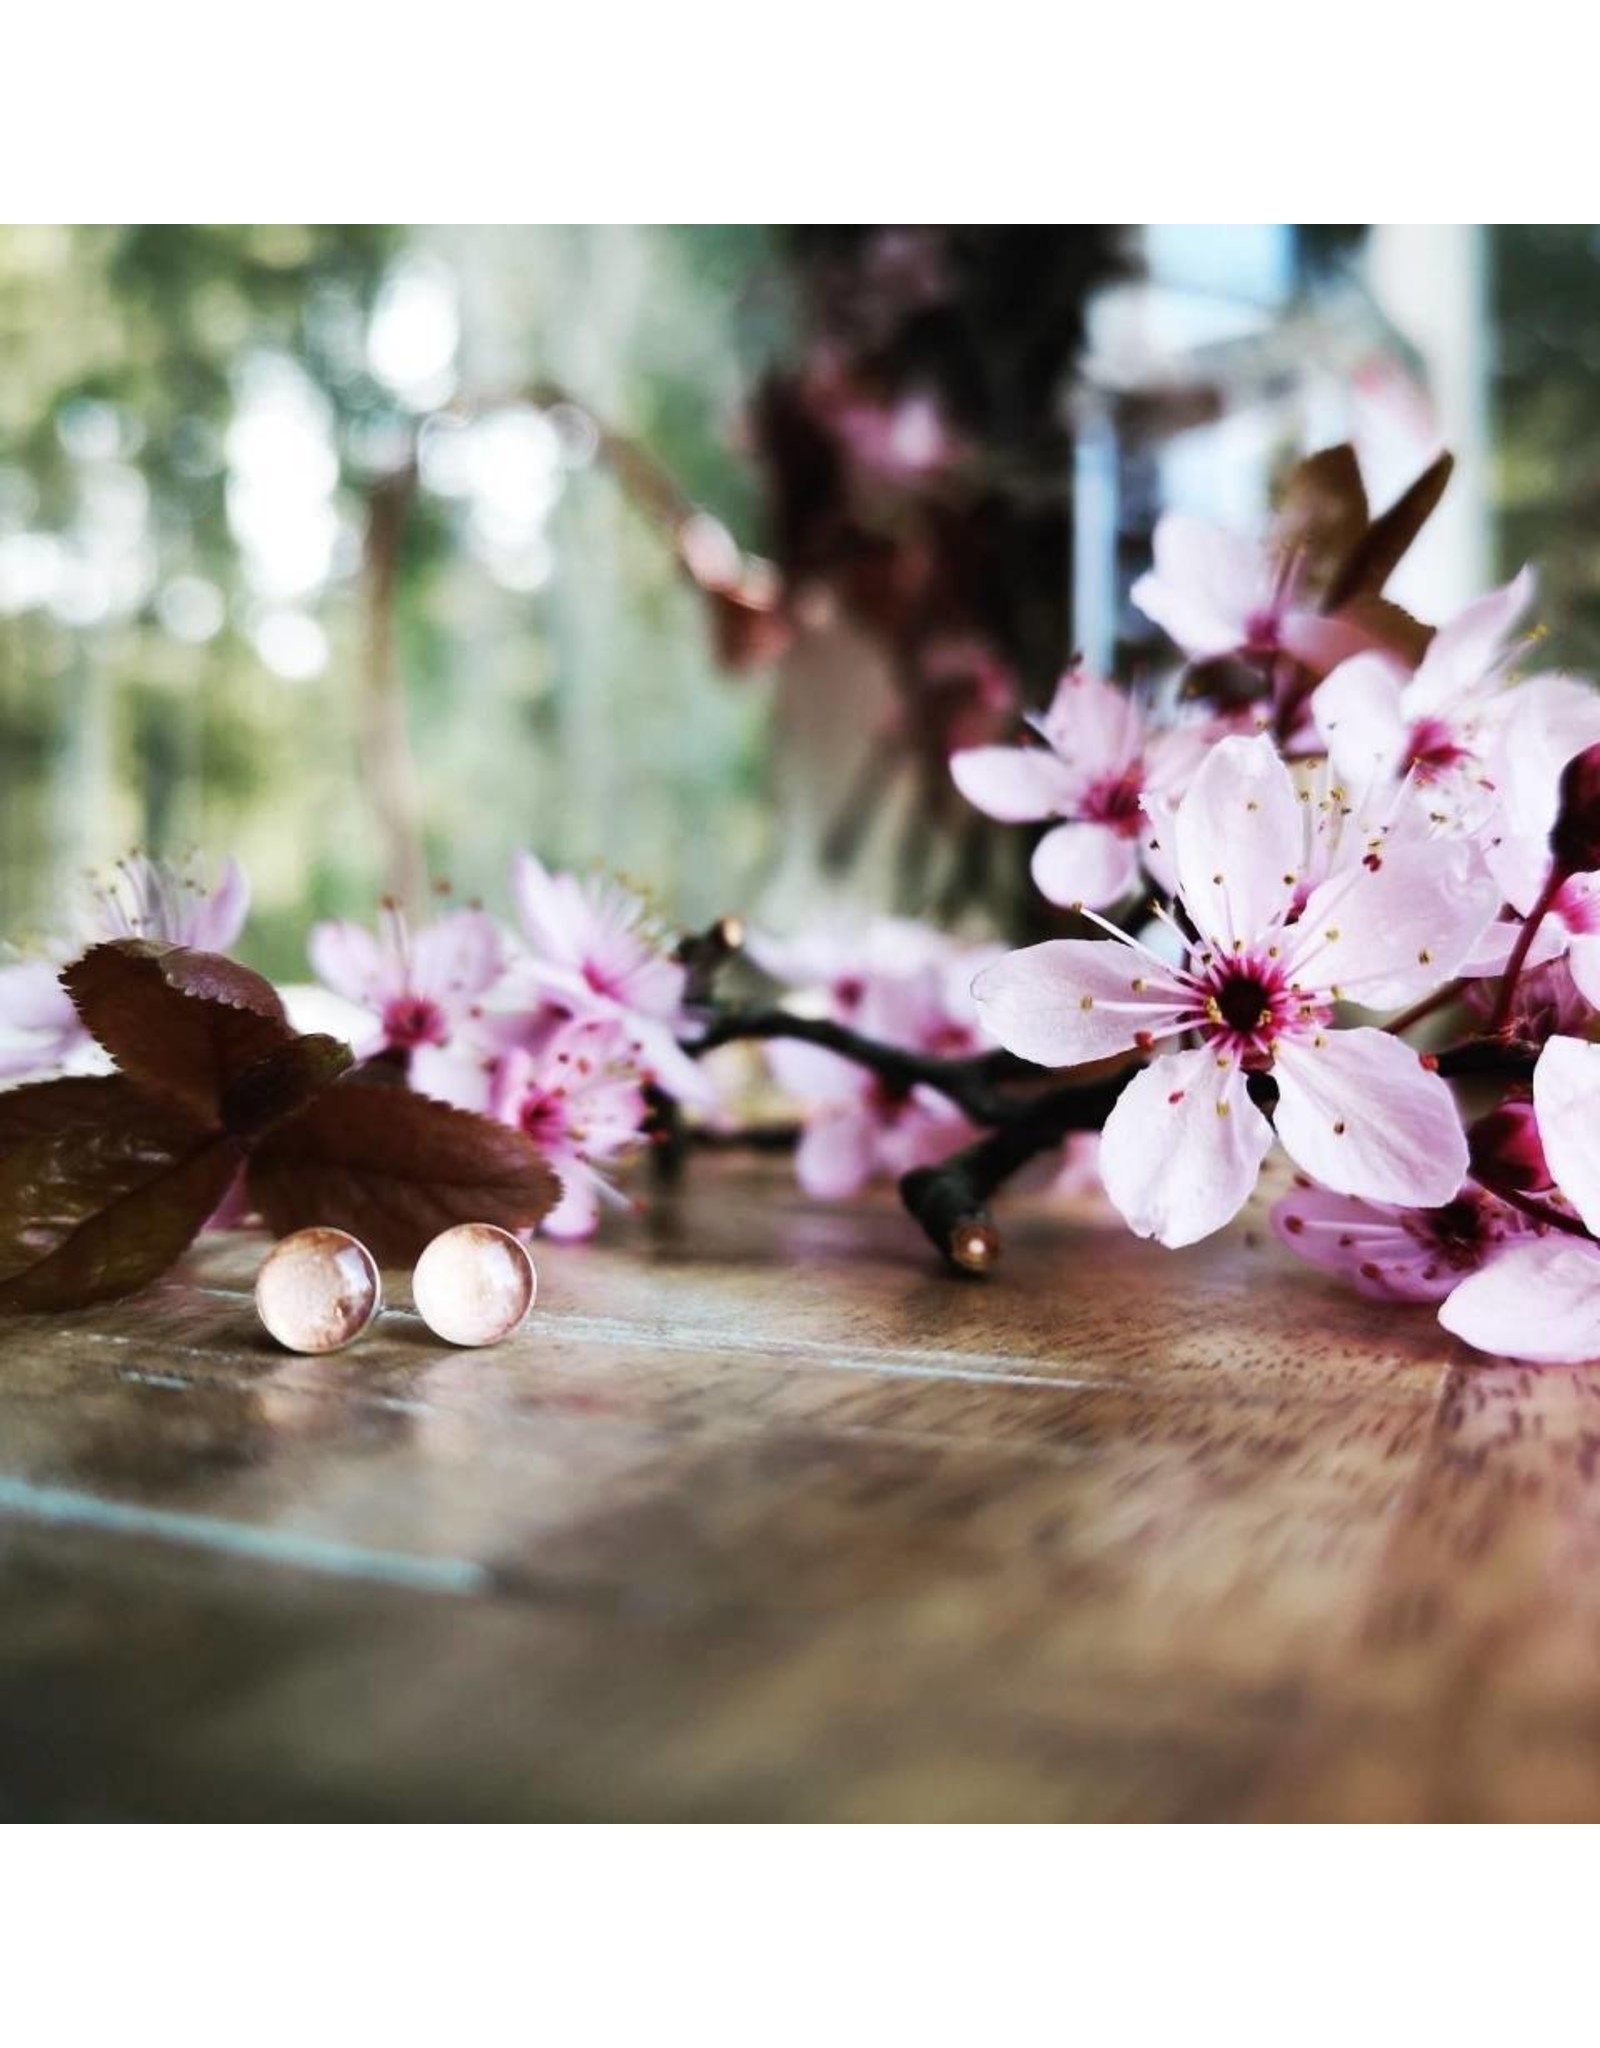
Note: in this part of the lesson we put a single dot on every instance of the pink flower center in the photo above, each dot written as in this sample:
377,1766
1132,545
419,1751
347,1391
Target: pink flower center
1114,801
1248,1006
1432,749
1261,629
602,981
1458,1232
543,1115
414,1020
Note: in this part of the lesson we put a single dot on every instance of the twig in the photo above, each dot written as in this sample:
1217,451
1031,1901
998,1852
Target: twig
951,1200
969,1083
1541,1212
1500,1021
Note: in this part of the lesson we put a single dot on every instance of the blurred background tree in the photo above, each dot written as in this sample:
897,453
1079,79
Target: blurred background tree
200,431
287,510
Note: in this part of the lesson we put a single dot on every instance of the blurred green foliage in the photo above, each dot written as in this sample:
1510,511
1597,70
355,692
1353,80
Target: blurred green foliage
1546,322
166,681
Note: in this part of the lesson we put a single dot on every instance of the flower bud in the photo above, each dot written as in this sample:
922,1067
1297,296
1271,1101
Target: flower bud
1575,838
1506,1152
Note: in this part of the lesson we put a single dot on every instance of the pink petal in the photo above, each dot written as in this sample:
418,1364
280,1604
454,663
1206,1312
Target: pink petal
1096,727
1548,720
452,1074
577,1214
1072,1000
32,998
1015,784
1390,934
552,909
1566,1100
1358,713
925,1132
1465,649
1205,583
836,1154
1538,1301
1583,959
1181,1151
664,1061
1365,1243
1085,864
220,917
1239,841
1320,643
1360,1113
811,1074
349,960
456,958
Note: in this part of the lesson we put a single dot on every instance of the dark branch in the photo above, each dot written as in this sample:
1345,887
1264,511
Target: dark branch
970,1083
951,1200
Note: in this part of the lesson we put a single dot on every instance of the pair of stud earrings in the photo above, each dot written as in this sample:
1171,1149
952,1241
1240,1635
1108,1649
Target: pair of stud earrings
319,1289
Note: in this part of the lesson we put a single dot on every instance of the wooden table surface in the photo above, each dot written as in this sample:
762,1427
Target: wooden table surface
765,1517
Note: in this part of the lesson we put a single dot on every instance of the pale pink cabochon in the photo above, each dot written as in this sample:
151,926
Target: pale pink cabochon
474,1284
318,1290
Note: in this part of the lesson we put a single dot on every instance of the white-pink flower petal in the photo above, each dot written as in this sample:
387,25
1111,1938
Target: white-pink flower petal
1538,1301
1239,841
1566,1101
1205,583
1360,717
1183,1147
835,1155
1068,1001
348,959
1466,648
1390,933
1358,1111
1017,785
1090,864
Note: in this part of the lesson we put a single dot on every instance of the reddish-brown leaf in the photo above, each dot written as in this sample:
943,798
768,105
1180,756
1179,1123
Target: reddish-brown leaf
1322,515
282,1083
185,1025
101,1188
395,1169
1386,540
1390,626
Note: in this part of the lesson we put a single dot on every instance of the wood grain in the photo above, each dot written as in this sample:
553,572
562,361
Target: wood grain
766,1517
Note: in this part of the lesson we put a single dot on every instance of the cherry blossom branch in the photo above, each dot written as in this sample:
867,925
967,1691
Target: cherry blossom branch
1541,1212
951,1200
1501,1018
1486,1059
969,1083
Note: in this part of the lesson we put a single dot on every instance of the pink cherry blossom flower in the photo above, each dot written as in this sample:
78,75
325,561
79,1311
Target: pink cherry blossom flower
1357,1109
1396,1254
593,950
1540,1301
578,1096
1550,719
1218,593
141,898
1103,768
1376,721
421,989
904,985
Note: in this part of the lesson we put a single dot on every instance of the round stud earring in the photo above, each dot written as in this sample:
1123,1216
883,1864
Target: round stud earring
318,1290
474,1284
